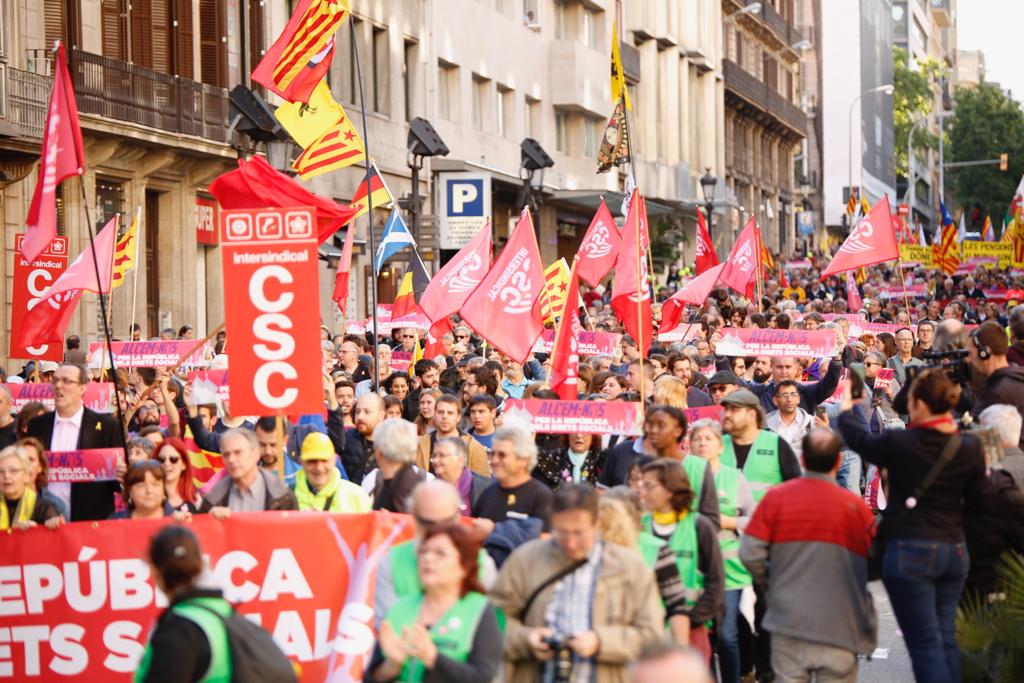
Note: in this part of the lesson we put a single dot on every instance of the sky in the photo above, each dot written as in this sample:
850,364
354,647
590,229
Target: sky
993,26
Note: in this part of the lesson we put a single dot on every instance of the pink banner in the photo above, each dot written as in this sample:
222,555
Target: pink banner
704,413
400,361
798,265
218,378
681,333
885,378
857,329
849,317
590,343
94,464
738,341
149,354
573,417
98,395
913,291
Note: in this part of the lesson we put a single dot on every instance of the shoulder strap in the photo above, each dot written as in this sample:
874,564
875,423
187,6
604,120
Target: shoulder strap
952,446
557,576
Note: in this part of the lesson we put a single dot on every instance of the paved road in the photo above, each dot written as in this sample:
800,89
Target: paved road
890,663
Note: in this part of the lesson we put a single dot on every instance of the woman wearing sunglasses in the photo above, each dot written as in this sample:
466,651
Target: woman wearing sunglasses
181,491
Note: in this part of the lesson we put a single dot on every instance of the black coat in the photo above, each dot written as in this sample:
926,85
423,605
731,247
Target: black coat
991,534
1006,386
181,652
91,500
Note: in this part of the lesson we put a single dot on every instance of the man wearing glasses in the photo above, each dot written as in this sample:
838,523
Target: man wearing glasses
71,426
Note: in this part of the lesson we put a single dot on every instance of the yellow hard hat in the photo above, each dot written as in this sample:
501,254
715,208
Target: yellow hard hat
317,446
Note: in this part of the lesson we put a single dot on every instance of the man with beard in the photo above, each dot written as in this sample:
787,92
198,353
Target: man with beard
787,367
762,370
428,373
356,456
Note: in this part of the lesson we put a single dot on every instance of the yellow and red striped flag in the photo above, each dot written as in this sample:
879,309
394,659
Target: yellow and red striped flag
556,288
205,464
339,147
126,253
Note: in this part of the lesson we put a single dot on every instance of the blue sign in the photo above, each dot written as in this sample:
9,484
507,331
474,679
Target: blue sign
465,207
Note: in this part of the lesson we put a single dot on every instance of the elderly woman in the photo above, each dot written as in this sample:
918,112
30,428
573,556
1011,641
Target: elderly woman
22,508
582,459
449,632
145,493
736,504
395,443
39,473
139,449
449,461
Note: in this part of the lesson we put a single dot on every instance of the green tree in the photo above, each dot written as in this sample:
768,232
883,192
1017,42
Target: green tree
912,99
986,122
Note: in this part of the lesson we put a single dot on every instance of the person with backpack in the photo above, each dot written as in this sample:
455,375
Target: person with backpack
200,637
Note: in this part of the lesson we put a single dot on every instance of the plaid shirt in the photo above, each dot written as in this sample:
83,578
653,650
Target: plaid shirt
568,613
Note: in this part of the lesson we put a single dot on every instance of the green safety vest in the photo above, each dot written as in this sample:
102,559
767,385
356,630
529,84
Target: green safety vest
762,467
695,467
727,483
683,543
405,572
216,633
452,634
649,545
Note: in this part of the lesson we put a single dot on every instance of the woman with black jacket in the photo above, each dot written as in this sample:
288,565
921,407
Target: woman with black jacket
925,560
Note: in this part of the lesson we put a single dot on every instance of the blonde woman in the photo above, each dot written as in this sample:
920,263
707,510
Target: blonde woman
670,391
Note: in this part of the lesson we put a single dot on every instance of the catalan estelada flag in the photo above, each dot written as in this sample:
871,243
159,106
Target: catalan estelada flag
946,253
301,55
377,192
205,464
126,253
337,148
556,288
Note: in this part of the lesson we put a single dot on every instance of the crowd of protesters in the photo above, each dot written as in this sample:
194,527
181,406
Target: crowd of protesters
704,549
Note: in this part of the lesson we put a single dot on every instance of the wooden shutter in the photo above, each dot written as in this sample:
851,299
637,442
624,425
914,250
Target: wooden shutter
141,19
112,28
212,50
182,39
257,32
53,17
160,30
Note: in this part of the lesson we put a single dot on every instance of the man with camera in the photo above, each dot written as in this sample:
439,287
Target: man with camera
577,609
1004,383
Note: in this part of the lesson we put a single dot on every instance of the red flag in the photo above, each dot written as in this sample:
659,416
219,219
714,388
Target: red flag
301,56
434,346
853,300
565,355
631,295
695,292
783,282
505,307
740,270
453,284
47,320
599,247
62,156
255,184
872,240
405,298
706,255
340,293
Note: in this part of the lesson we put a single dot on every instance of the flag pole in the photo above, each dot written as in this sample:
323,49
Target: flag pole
906,296
135,288
639,298
370,167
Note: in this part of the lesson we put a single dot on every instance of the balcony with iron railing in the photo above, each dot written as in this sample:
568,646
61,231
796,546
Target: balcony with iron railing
120,91
765,100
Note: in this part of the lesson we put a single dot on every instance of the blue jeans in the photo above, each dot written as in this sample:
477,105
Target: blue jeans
924,580
729,638
848,476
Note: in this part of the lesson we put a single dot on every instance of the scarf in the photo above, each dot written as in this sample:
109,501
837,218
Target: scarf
669,518
315,501
23,513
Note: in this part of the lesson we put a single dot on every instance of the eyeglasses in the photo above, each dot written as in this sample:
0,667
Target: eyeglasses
408,336
148,409
462,336
173,458
63,380
11,472
869,363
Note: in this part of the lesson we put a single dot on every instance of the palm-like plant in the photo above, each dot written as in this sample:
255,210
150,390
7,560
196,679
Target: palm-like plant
991,634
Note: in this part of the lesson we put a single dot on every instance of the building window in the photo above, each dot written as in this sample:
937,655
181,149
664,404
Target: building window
589,138
591,22
380,70
481,90
560,20
531,117
447,90
771,71
503,111
62,21
562,132
739,49
531,14
213,49
410,74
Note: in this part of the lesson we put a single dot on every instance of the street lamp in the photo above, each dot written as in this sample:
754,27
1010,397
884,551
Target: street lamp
707,186
423,141
888,90
533,158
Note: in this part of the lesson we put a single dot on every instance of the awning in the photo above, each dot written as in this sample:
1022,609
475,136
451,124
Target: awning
591,199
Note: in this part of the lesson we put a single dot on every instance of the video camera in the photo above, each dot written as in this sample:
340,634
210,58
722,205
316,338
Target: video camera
559,644
953,363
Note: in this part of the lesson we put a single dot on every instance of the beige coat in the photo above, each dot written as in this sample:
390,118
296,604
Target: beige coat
626,612
477,454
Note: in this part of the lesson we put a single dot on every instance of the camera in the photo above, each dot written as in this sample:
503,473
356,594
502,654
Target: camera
953,363
559,644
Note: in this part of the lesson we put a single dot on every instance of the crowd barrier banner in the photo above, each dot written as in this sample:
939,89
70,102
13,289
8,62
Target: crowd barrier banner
573,417
1001,251
752,341
589,343
149,354
93,464
916,253
98,395
78,604
31,280
271,294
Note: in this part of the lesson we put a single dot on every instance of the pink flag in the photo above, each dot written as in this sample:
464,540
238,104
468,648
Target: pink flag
505,307
853,300
47,320
453,284
600,246
695,292
740,270
707,257
631,293
340,293
62,156
872,240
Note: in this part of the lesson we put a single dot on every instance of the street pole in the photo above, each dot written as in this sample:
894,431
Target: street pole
888,89
911,192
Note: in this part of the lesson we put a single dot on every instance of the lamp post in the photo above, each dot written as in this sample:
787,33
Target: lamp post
423,141
888,90
707,186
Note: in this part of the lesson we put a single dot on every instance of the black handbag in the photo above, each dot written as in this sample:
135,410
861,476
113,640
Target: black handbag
883,524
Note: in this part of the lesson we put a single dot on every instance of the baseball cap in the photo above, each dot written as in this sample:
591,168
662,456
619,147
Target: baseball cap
724,377
48,366
316,446
742,397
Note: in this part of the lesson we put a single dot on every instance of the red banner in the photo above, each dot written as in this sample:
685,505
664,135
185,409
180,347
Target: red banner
82,604
857,329
752,341
94,464
885,378
704,413
149,354
206,221
590,343
573,417
271,291
912,291
98,395
31,280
